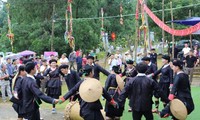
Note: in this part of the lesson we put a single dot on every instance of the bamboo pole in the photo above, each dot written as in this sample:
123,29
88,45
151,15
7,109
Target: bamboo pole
52,31
190,34
172,18
163,20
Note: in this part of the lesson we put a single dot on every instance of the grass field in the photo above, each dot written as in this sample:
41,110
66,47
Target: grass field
127,116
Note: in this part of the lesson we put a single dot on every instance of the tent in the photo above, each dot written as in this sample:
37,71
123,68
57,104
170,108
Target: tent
189,21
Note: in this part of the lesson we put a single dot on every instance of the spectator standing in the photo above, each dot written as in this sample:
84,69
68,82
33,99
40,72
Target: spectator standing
79,62
186,50
5,83
84,60
112,62
72,60
153,56
191,62
64,60
10,69
1,59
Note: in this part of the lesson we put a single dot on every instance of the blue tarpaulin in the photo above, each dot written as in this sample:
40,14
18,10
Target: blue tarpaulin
189,21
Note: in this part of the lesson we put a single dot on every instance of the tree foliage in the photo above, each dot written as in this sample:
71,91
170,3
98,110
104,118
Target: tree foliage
32,22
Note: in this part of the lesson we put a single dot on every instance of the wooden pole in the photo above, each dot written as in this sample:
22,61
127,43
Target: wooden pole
163,20
147,30
136,30
190,34
52,31
172,18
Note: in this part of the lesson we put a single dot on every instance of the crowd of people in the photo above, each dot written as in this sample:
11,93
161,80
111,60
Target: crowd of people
27,80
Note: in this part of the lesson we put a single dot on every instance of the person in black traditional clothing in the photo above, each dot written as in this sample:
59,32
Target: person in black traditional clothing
31,94
151,67
54,83
113,89
71,78
88,111
150,70
180,90
166,79
140,89
129,72
97,69
17,91
153,56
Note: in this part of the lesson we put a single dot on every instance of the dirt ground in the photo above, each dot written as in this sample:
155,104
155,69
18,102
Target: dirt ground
7,113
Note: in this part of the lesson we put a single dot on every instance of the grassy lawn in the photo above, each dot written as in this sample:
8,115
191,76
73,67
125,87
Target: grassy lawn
126,115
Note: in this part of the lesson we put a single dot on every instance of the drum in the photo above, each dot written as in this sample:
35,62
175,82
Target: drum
72,111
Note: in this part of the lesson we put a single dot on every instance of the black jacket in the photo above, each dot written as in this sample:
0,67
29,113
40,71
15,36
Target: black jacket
72,79
97,70
140,89
128,73
153,58
166,75
84,106
151,69
111,82
31,94
181,89
181,86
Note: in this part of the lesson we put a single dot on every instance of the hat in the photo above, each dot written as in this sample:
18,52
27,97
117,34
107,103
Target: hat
146,58
90,90
178,109
178,63
126,53
166,57
129,62
90,57
153,49
120,82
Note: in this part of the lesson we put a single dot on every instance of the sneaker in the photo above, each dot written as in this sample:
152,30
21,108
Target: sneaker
53,111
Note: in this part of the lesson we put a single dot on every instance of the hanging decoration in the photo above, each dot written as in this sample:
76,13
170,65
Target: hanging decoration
10,35
121,16
69,26
183,32
143,27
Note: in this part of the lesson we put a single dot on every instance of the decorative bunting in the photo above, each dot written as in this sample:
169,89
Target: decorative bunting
183,32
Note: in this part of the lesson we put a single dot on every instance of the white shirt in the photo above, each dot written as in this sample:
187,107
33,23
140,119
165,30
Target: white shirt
165,66
63,61
28,75
141,74
112,62
186,50
149,64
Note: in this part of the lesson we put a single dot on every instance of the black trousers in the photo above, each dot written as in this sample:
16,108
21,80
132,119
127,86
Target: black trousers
92,115
35,115
137,115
